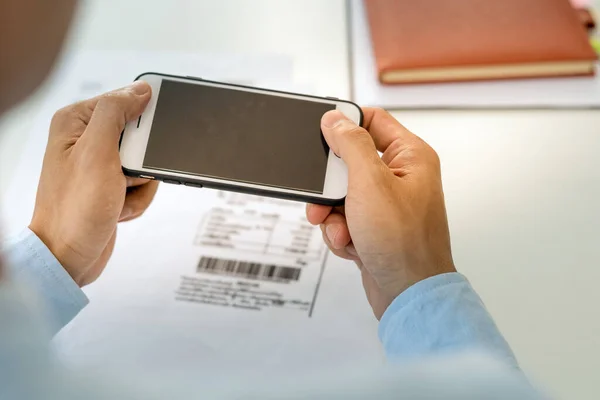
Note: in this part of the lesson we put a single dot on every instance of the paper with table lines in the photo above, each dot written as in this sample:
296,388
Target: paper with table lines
258,254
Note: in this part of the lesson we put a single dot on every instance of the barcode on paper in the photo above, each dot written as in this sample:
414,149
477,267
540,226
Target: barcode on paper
250,270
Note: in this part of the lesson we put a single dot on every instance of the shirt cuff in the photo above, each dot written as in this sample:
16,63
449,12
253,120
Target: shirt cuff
438,315
31,263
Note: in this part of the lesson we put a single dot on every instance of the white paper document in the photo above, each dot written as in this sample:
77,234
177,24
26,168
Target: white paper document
257,254
223,282
577,92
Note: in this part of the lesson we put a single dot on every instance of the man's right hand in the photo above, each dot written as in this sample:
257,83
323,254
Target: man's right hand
83,193
394,223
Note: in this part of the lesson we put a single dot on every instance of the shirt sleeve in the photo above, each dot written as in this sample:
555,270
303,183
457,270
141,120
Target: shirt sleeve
438,315
30,263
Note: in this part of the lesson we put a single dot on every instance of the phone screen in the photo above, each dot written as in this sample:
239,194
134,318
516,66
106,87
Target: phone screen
238,135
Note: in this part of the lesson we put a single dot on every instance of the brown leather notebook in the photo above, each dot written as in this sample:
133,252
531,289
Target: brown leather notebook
418,41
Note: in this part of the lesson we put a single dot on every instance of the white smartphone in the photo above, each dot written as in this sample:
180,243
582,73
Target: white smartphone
202,133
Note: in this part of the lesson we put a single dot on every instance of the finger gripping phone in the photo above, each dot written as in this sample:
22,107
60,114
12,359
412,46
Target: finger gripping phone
211,134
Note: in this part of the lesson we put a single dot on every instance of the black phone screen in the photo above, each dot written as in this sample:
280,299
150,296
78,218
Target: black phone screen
238,135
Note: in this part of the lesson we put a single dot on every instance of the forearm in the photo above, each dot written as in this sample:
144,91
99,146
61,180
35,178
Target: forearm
30,263
439,315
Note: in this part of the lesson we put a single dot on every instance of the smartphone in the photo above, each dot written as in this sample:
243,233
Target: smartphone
202,133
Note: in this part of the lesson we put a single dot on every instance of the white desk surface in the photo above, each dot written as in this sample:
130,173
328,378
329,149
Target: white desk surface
522,187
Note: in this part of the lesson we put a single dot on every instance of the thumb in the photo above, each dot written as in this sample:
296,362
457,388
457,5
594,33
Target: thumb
349,141
112,111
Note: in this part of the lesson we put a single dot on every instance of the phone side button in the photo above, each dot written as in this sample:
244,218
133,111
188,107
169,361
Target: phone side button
172,181
191,184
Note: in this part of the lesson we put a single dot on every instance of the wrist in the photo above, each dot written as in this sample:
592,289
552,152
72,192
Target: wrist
393,288
60,250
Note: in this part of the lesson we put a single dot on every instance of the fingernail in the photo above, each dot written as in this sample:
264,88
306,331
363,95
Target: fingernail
331,119
139,87
331,231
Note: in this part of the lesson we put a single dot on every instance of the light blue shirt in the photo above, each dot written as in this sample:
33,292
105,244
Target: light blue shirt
440,339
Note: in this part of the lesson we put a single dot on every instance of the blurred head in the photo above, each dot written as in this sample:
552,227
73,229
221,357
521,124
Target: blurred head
31,35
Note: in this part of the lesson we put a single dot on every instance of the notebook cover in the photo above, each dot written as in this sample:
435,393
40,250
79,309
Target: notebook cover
421,34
